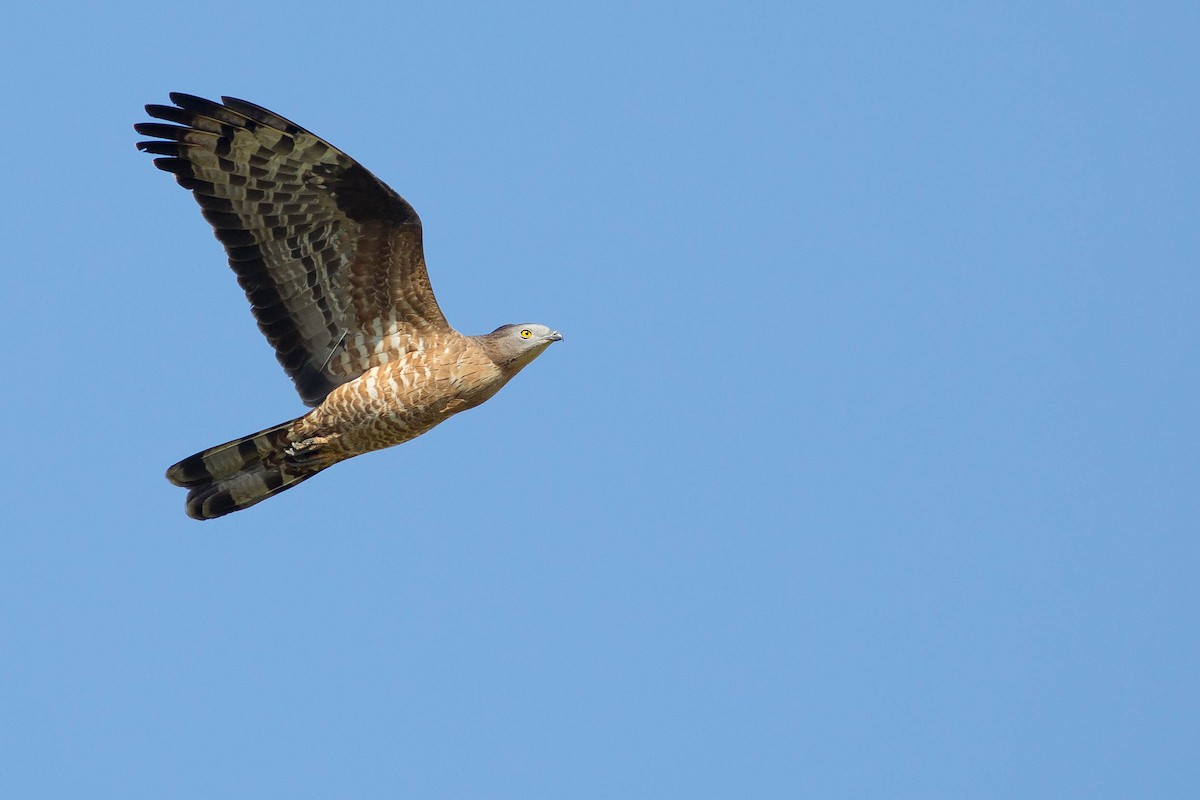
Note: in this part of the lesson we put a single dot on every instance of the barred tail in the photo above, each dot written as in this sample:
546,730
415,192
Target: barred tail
238,474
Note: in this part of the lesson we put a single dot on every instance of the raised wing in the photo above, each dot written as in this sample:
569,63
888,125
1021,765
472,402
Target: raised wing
328,255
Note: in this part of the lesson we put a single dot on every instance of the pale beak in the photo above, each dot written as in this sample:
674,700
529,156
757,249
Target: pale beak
554,336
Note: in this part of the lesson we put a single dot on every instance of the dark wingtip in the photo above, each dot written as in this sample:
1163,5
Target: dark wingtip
183,99
160,130
159,148
174,165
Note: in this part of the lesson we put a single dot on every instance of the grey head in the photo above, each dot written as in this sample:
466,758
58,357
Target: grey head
514,346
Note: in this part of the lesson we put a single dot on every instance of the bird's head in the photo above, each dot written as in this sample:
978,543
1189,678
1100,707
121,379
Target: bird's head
514,346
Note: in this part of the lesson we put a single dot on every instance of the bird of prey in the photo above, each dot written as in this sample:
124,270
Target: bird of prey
331,261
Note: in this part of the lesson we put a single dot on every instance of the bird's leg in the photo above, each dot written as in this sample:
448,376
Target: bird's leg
308,454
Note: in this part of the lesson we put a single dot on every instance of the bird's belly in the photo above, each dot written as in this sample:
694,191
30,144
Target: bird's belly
387,406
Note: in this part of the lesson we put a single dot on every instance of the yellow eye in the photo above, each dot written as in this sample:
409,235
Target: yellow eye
526,333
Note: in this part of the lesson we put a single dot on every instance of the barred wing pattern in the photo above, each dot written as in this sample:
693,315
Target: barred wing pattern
329,256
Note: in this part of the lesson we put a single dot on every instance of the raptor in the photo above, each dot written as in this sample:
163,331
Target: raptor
331,260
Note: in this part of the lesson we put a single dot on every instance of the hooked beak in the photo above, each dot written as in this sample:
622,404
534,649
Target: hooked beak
554,336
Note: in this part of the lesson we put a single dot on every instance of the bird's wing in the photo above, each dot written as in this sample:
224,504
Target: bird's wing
329,256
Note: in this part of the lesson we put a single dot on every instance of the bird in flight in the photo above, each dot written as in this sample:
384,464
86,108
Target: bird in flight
331,260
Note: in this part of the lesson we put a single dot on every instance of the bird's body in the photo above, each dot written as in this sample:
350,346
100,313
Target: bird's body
402,399
332,263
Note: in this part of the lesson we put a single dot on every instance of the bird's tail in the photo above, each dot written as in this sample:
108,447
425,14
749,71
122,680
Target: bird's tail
238,474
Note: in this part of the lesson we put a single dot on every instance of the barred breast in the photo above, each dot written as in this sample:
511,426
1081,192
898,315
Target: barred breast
398,400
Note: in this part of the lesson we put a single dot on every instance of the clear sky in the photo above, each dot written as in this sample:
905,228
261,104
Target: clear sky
869,466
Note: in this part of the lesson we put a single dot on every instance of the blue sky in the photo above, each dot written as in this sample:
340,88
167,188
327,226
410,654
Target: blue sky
868,467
